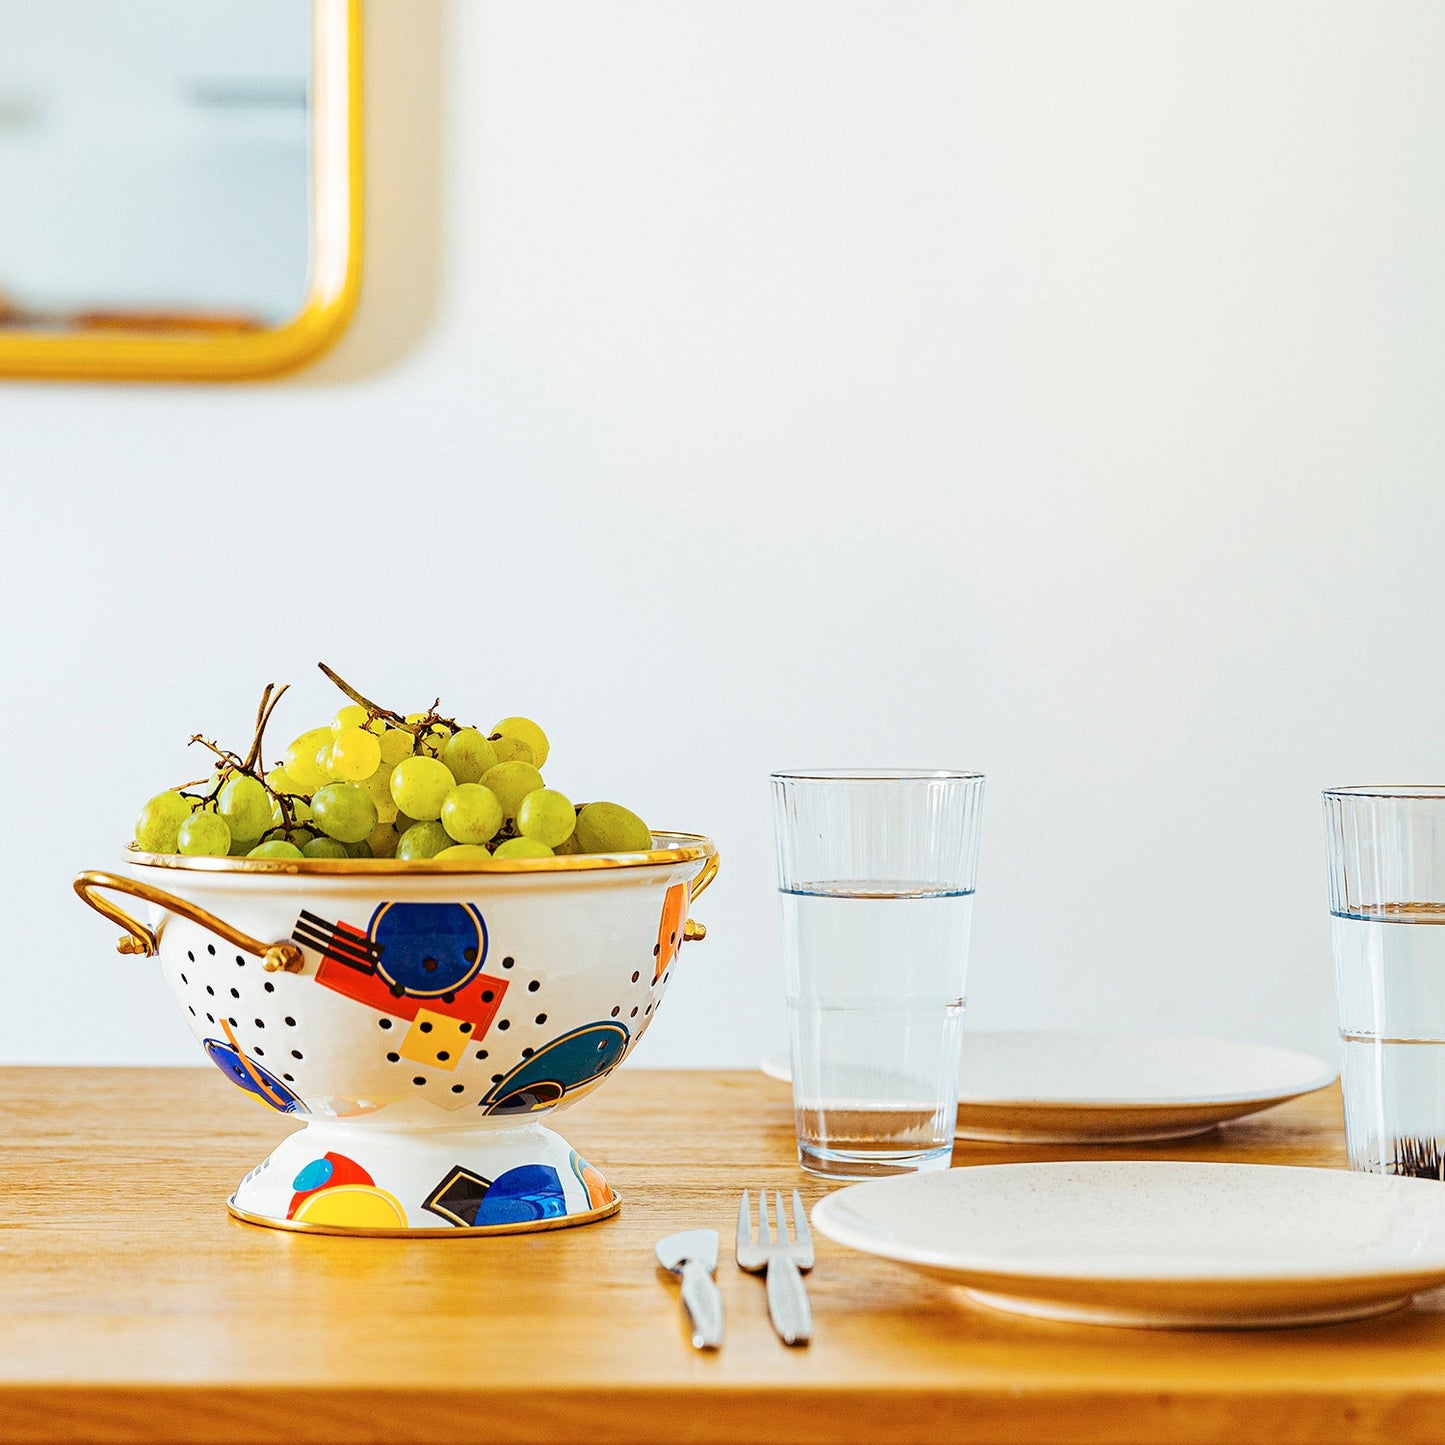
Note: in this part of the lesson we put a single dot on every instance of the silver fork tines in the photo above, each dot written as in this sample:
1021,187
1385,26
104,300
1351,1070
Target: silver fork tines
782,1257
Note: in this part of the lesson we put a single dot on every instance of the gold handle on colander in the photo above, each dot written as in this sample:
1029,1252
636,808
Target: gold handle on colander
691,930
138,938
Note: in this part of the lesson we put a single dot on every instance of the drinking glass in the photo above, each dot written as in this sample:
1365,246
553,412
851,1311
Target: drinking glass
1386,850
876,873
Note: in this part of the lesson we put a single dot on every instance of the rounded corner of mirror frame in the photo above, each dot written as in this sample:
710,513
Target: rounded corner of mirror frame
335,281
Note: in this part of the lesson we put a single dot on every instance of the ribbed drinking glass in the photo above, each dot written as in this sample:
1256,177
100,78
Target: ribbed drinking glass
876,873
1386,851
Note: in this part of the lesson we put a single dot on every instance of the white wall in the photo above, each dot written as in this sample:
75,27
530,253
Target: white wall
1052,389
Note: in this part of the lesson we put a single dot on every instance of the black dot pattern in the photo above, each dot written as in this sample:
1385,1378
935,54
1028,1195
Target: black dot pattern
636,1000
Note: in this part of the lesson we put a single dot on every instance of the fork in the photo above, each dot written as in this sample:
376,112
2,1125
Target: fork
782,1258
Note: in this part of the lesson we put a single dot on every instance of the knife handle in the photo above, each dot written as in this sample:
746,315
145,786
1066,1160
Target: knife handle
703,1301
788,1302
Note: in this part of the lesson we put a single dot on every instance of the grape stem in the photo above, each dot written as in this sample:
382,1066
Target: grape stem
251,765
269,699
392,719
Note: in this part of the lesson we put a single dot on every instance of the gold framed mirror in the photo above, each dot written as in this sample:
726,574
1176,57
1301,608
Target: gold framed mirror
181,181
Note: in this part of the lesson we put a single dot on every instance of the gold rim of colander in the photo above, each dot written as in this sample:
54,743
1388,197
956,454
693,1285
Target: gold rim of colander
679,848
93,887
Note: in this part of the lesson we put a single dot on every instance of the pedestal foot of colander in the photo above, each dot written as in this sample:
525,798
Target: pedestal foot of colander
350,1178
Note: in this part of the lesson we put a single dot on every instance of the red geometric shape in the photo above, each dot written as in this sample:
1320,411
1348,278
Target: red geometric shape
366,987
348,967
341,1171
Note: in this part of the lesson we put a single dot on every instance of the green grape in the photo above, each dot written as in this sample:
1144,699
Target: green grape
568,845
353,715
344,812
246,806
281,782
523,729
548,816
463,851
383,840
423,840
241,846
378,787
471,813
323,763
419,786
300,761
402,822
204,835
160,822
396,744
468,755
511,782
359,849
355,755
611,828
522,848
324,848
513,750
276,849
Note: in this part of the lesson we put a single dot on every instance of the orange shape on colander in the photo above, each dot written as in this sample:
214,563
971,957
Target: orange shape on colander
669,931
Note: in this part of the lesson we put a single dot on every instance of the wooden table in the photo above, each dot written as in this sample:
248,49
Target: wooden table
135,1309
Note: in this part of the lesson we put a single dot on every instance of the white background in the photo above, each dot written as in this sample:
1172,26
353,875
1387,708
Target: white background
1051,389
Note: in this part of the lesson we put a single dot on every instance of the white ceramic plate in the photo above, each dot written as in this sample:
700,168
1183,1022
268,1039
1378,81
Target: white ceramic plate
1159,1244
1032,1086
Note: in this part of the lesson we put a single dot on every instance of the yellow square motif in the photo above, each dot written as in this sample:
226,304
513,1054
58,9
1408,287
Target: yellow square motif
436,1039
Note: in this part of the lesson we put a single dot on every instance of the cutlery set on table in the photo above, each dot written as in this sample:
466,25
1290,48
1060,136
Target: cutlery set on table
772,1249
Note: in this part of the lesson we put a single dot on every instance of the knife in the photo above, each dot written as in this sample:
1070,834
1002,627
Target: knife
693,1255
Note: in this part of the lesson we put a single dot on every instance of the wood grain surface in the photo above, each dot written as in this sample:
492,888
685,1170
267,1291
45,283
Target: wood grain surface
135,1309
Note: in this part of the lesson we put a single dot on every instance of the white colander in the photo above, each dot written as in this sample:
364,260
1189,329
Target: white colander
419,1017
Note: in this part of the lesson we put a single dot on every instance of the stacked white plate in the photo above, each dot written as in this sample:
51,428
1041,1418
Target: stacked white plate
1033,1086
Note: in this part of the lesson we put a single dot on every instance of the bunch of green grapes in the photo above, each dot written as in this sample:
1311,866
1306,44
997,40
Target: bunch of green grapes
374,784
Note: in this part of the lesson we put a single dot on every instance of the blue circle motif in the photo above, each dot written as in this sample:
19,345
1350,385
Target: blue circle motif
247,1074
428,949
314,1175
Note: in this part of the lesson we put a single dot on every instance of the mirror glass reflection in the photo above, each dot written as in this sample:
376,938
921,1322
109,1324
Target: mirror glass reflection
155,165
